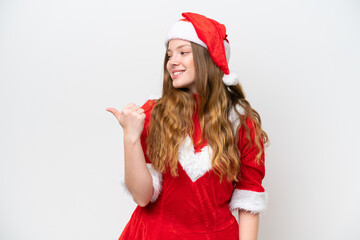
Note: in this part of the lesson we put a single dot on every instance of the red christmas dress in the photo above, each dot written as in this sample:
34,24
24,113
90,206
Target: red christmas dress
195,205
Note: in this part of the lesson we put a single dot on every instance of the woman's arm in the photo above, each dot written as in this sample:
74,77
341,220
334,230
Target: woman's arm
248,225
137,176
138,179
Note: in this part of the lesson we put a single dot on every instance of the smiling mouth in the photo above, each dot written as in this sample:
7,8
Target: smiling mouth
175,74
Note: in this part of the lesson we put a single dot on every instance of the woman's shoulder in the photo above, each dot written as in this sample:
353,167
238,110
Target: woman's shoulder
236,109
236,119
150,102
234,115
148,105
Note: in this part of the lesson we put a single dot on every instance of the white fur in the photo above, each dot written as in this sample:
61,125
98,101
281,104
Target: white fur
234,118
194,164
231,79
183,30
254,202
157,182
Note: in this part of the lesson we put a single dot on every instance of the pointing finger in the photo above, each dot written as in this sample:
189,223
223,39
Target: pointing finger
114,111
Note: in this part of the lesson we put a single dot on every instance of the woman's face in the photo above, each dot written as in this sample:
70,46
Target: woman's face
180,64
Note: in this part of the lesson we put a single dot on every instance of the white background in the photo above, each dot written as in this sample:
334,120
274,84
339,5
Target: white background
63,62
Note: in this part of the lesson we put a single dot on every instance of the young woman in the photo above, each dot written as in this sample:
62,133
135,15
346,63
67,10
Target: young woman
197,153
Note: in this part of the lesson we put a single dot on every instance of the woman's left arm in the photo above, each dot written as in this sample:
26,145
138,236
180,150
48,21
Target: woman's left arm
248,225
249,197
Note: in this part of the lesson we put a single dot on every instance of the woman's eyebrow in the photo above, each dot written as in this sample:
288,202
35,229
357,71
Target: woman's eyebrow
178,47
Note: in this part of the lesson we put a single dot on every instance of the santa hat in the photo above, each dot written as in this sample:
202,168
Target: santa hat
208,33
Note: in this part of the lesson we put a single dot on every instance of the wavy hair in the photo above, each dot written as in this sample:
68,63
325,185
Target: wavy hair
172,119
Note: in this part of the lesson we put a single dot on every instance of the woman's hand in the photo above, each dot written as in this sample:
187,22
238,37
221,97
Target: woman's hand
137,176
131,119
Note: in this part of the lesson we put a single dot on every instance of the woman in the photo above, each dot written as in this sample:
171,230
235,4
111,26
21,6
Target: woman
197,153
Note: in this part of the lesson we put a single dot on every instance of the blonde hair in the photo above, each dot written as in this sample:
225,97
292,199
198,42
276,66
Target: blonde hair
172,119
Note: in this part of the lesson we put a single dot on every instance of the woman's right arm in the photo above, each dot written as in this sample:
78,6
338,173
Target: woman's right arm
137,176
138,179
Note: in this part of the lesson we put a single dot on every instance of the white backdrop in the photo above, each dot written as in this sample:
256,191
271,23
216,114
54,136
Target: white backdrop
63,62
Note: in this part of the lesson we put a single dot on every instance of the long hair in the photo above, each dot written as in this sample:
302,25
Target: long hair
172,119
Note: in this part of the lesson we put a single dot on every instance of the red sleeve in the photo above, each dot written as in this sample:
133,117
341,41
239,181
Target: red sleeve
148,106
251,173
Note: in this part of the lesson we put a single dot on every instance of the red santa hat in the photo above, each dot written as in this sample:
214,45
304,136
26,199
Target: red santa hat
208,33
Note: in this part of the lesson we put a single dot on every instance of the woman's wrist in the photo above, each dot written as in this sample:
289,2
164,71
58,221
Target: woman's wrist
131,138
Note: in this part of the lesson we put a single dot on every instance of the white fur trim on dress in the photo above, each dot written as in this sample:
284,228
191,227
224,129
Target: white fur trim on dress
254,202
157,182
234,118
194,164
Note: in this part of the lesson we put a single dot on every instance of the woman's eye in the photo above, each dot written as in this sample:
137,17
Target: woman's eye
184,53
168,56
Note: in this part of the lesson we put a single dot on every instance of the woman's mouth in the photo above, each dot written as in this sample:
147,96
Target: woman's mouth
178,73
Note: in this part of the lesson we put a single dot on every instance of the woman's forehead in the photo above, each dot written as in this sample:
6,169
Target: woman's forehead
178,43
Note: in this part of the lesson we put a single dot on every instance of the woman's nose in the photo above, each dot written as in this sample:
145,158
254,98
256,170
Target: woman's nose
174,60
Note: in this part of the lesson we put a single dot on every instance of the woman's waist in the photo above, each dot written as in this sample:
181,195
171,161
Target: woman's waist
189,218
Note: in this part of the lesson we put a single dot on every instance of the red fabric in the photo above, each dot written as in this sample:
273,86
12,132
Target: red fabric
186,209
148,106
251,173
213,35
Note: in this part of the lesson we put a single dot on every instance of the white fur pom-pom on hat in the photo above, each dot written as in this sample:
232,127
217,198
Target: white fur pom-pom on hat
231,79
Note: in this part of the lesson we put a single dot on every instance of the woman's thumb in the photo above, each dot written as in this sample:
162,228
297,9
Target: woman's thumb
114,111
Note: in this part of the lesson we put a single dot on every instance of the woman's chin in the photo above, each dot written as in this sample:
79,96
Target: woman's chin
176,85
